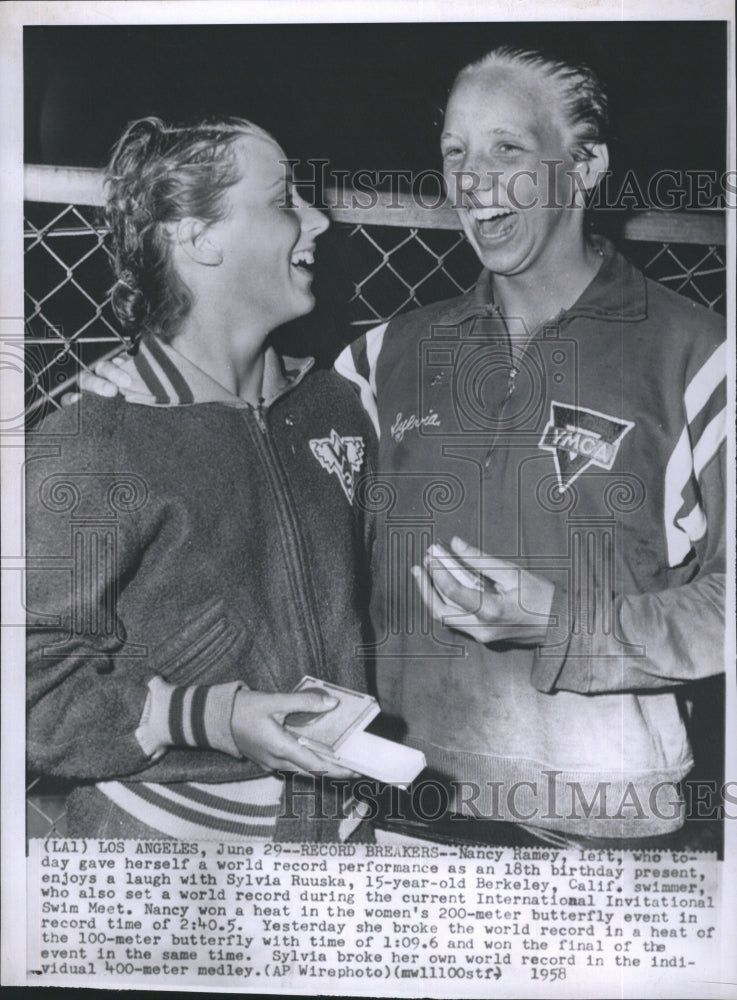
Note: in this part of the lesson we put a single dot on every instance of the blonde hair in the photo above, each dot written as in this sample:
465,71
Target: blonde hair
159,174
583,101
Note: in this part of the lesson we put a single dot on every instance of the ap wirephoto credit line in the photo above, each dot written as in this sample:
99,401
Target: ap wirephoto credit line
369,563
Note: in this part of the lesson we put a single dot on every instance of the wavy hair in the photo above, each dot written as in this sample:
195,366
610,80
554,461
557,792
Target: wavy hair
159,174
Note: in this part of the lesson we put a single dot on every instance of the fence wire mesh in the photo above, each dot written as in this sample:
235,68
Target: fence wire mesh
69,322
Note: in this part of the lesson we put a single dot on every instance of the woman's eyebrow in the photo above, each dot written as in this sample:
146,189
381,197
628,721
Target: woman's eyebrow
506,130
497,130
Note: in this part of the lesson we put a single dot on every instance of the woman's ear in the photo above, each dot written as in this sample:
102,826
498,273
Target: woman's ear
193,239
590,169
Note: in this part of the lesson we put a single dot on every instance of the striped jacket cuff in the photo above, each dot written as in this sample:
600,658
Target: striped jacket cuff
197,716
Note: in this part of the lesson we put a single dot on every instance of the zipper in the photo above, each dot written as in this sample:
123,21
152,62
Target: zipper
259,414
300,583
511,383
514,369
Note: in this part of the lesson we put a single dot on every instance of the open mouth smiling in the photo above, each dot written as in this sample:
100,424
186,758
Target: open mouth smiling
493,223
303,260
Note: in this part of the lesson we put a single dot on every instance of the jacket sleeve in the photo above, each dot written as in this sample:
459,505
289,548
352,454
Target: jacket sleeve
603,643
358,363
92,710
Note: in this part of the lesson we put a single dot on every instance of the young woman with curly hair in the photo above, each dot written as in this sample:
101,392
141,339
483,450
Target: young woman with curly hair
196,547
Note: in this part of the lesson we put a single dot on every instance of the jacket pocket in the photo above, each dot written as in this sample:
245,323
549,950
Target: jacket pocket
200,648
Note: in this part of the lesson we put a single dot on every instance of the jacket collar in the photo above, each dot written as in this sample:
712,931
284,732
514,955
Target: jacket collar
161,376
618,291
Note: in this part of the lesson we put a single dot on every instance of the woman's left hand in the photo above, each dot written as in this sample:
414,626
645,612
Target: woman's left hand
490,599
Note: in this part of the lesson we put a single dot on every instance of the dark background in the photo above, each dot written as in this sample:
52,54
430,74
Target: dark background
364,96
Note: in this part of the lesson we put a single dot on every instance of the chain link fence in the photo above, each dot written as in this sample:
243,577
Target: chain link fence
396,259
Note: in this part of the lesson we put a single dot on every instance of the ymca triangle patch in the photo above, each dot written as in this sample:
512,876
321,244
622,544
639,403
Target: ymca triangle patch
579,438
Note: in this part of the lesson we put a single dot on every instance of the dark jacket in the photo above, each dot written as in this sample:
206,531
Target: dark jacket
196,539
590,451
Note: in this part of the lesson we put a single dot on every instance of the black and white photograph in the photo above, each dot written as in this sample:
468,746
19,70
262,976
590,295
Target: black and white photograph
368,499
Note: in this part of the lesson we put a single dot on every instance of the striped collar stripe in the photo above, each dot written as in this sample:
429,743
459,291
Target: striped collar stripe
183,392
148,375
161,376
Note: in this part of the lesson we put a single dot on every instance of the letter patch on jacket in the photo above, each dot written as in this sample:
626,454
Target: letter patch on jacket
341,455
578,438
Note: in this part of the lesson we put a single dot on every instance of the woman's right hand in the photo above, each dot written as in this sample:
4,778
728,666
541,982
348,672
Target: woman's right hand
105,379
259,733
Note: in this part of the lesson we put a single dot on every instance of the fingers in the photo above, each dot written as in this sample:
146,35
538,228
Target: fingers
299,709
527,596
303,702
478,624
70,398
443,609
442,559
290,754
100,386
259,706
257,729
112,370
106,378
505,575
464,549
456,585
